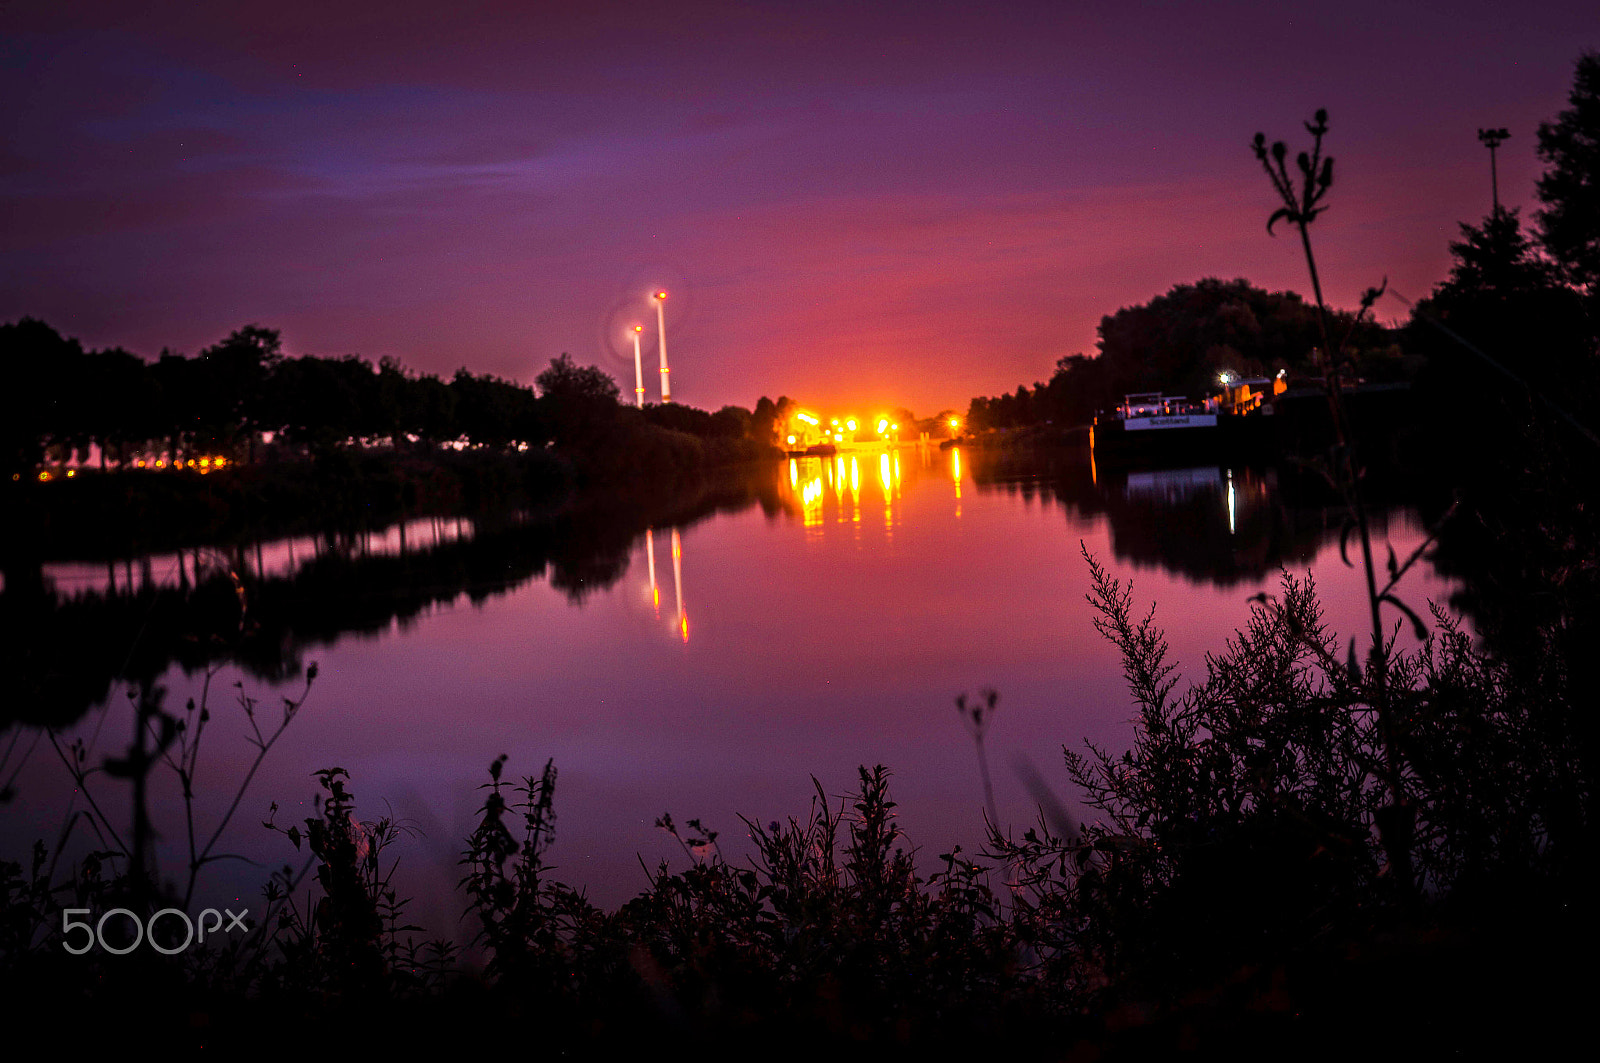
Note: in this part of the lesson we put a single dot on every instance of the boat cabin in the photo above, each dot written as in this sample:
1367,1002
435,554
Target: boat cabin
1154,404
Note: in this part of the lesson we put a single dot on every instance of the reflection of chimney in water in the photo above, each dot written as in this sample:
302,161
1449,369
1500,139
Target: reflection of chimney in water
650,555
677,581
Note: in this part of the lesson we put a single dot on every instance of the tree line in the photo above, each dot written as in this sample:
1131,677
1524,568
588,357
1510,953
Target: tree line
1530,300
234,396
1179,343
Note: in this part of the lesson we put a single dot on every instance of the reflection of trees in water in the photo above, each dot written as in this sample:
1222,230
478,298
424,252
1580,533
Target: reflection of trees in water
1521,542
65,653
1211,524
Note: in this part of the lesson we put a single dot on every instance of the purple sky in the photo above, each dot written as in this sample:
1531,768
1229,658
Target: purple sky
851,203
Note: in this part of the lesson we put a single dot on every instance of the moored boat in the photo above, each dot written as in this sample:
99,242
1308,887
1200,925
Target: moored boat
1150,423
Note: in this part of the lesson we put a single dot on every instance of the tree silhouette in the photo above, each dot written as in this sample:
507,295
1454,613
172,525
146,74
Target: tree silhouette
579,402
41,369
1507,300
233,376
1569,223
1177,343
566,381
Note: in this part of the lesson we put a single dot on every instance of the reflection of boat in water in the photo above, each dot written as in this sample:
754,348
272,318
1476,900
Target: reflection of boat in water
1171,486
1152,424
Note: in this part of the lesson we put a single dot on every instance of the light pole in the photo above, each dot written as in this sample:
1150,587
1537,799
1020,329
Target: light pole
661,333
1492,139
638,369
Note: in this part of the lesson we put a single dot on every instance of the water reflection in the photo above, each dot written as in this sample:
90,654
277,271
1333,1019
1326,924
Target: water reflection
78,628
276,559
955,475
1215,524
834,621
677,582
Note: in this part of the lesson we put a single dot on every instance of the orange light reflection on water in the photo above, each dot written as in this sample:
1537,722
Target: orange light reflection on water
677,582
650,555
955,475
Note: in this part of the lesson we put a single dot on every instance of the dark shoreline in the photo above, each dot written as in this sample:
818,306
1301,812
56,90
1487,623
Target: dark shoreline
114,514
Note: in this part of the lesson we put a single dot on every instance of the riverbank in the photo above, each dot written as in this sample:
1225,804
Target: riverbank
119,513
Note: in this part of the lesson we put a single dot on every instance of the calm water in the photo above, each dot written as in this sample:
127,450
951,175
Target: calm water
825,619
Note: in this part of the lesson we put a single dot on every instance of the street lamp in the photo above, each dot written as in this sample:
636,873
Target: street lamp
661,333
638,369
1492,139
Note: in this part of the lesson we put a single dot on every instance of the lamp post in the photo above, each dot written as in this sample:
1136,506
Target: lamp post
638,369
661,333
1492,139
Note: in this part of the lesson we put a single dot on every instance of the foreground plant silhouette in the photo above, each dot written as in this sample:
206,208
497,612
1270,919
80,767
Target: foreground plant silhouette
1236,844
1244,822
1302,204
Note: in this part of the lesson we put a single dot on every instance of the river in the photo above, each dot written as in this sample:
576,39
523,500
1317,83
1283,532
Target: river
824,617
